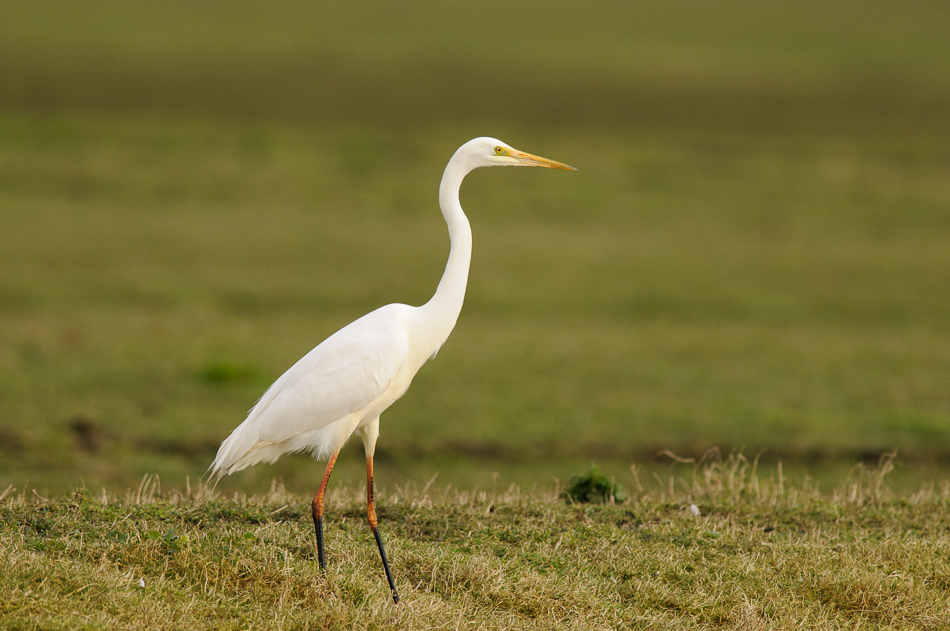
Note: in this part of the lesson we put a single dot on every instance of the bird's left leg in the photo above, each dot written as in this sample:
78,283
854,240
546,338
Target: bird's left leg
316,507
370,433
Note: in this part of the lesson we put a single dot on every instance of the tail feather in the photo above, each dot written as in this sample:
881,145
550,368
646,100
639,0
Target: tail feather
239,451
244,447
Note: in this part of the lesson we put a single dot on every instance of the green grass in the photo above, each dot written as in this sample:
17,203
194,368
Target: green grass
754,255
761,553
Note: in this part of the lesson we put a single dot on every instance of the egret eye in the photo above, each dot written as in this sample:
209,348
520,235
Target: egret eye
500,151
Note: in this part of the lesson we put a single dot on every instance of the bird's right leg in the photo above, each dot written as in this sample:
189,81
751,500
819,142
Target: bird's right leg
316,507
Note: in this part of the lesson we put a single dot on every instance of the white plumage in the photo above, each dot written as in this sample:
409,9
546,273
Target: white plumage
349,379
340,386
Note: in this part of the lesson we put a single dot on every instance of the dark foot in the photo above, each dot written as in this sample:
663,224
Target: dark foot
389,575
321,555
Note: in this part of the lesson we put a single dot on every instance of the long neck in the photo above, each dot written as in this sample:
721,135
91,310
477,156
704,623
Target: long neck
444,307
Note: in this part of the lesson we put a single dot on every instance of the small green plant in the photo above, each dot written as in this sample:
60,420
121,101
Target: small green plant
592,488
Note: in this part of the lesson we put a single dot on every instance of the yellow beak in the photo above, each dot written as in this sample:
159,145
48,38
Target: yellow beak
528,160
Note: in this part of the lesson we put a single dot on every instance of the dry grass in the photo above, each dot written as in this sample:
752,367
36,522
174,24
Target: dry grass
758,555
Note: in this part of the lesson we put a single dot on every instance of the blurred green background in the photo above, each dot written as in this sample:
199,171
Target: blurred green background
754,256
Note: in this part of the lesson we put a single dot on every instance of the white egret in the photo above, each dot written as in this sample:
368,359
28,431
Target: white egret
349,379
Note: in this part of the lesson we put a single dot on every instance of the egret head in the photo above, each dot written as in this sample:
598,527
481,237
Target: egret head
491,152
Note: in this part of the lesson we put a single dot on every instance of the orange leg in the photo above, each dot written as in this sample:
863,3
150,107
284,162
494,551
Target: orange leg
373,523
316,507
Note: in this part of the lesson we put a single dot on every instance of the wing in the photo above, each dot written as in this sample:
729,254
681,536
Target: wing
346,372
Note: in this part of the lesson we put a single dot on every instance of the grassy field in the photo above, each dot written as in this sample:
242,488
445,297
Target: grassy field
754,256
760,553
